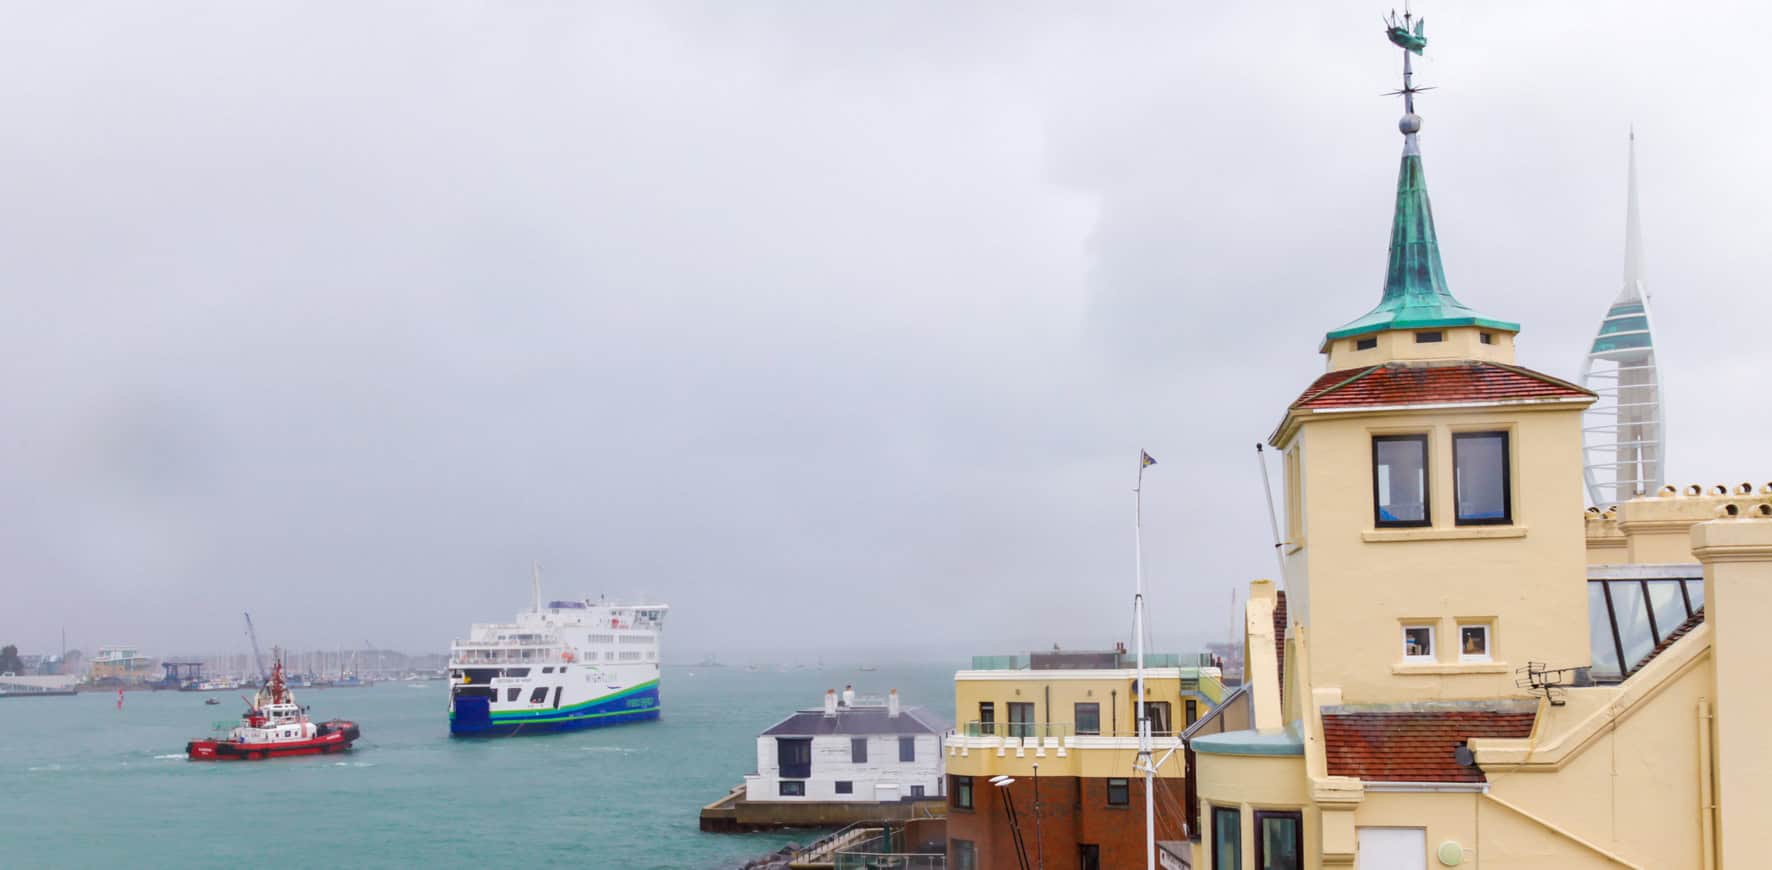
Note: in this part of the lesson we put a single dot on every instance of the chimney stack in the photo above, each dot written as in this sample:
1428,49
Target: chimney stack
849,695
892,704
830,703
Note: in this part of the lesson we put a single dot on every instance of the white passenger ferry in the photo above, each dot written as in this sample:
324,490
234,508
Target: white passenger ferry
569,665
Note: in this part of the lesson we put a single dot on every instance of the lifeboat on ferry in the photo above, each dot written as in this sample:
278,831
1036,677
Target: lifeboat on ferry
275,726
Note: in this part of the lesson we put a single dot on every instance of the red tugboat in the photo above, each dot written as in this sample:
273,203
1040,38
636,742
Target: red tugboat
273,727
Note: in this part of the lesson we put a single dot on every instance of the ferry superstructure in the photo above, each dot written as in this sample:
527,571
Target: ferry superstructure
569,665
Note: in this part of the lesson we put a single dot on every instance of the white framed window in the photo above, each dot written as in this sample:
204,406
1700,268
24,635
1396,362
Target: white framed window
1418,643
1473,642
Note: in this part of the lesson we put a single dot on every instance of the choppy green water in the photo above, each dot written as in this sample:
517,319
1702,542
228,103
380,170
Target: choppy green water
83,784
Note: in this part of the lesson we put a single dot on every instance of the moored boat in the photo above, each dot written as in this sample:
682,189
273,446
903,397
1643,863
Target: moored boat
275,726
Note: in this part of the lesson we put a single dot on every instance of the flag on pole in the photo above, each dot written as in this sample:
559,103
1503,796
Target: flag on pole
1145,460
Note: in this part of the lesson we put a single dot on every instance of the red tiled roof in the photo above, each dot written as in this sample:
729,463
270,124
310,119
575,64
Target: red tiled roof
1413,746
1693,621
1433,384
1280,642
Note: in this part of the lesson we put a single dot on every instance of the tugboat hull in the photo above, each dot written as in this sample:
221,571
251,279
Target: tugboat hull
334,736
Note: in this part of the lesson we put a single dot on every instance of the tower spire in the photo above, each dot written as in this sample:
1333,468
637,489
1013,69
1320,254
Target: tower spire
1415,290
1635,287
1625,433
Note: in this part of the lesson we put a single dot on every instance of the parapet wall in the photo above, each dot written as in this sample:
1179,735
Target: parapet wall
1657,529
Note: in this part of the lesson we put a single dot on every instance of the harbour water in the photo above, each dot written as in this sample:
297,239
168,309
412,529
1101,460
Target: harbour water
88,785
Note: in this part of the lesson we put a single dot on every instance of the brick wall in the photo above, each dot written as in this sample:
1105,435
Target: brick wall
1074,811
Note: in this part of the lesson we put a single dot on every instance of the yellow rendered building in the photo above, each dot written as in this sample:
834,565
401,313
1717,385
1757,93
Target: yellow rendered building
1063,727
1465,667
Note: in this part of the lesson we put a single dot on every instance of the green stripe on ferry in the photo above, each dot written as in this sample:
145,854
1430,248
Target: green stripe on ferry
554,715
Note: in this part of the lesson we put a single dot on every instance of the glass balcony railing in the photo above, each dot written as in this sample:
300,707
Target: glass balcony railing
1046,730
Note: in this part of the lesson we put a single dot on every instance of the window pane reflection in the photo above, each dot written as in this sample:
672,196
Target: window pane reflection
1599,630
1479,463
1670,606
1633,621
1280,839
1401,478
1695,591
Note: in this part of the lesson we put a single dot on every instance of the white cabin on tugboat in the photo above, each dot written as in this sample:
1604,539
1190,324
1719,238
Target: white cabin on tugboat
850,752
275,726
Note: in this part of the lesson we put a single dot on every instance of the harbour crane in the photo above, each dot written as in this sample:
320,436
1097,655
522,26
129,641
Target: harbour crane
257,656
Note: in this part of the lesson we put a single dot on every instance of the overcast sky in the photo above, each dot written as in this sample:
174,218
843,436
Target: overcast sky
838,327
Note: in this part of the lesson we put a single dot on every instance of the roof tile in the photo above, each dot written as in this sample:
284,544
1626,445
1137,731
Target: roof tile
1413,746
1399,384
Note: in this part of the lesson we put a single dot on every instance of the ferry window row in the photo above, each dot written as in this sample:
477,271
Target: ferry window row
1482,489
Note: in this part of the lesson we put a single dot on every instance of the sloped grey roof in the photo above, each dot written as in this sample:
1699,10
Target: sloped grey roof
859,721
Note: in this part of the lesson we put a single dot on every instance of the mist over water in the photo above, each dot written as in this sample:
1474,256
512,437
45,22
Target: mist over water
92,786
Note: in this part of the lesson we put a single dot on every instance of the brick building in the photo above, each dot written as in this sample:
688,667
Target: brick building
1067,721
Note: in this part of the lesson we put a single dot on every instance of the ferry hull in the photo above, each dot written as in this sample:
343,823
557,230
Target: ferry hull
473,717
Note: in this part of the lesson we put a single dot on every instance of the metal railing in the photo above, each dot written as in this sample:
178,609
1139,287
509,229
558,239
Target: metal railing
848,860
1047,730
979,728
501,656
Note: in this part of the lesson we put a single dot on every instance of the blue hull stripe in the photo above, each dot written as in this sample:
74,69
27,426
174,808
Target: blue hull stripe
473,718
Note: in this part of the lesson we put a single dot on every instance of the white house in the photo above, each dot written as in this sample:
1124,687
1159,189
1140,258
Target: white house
850,753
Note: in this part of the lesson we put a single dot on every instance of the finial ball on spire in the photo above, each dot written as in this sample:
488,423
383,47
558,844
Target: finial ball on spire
1410,124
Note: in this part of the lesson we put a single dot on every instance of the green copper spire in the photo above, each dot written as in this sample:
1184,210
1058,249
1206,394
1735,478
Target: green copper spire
1415,292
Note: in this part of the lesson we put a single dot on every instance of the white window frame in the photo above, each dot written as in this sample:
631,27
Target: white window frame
1488,654
1433,648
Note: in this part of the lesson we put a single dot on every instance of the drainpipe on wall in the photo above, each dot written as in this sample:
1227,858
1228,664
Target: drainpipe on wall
1707,809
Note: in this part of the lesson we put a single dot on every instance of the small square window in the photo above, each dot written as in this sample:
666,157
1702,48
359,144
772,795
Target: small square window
1418,643
1487,338
1429,337
1473,643
793,788
1365,343
1119,792
845,786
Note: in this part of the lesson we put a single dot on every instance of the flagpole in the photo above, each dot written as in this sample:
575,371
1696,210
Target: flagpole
1144,725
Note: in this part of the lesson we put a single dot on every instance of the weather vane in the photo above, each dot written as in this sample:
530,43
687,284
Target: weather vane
1406,34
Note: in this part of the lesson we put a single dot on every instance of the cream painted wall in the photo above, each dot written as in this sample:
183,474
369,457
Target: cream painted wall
1459,343
1632,789
1737,557
1364,583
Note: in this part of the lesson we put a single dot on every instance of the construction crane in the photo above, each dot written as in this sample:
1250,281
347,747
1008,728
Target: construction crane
257,657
